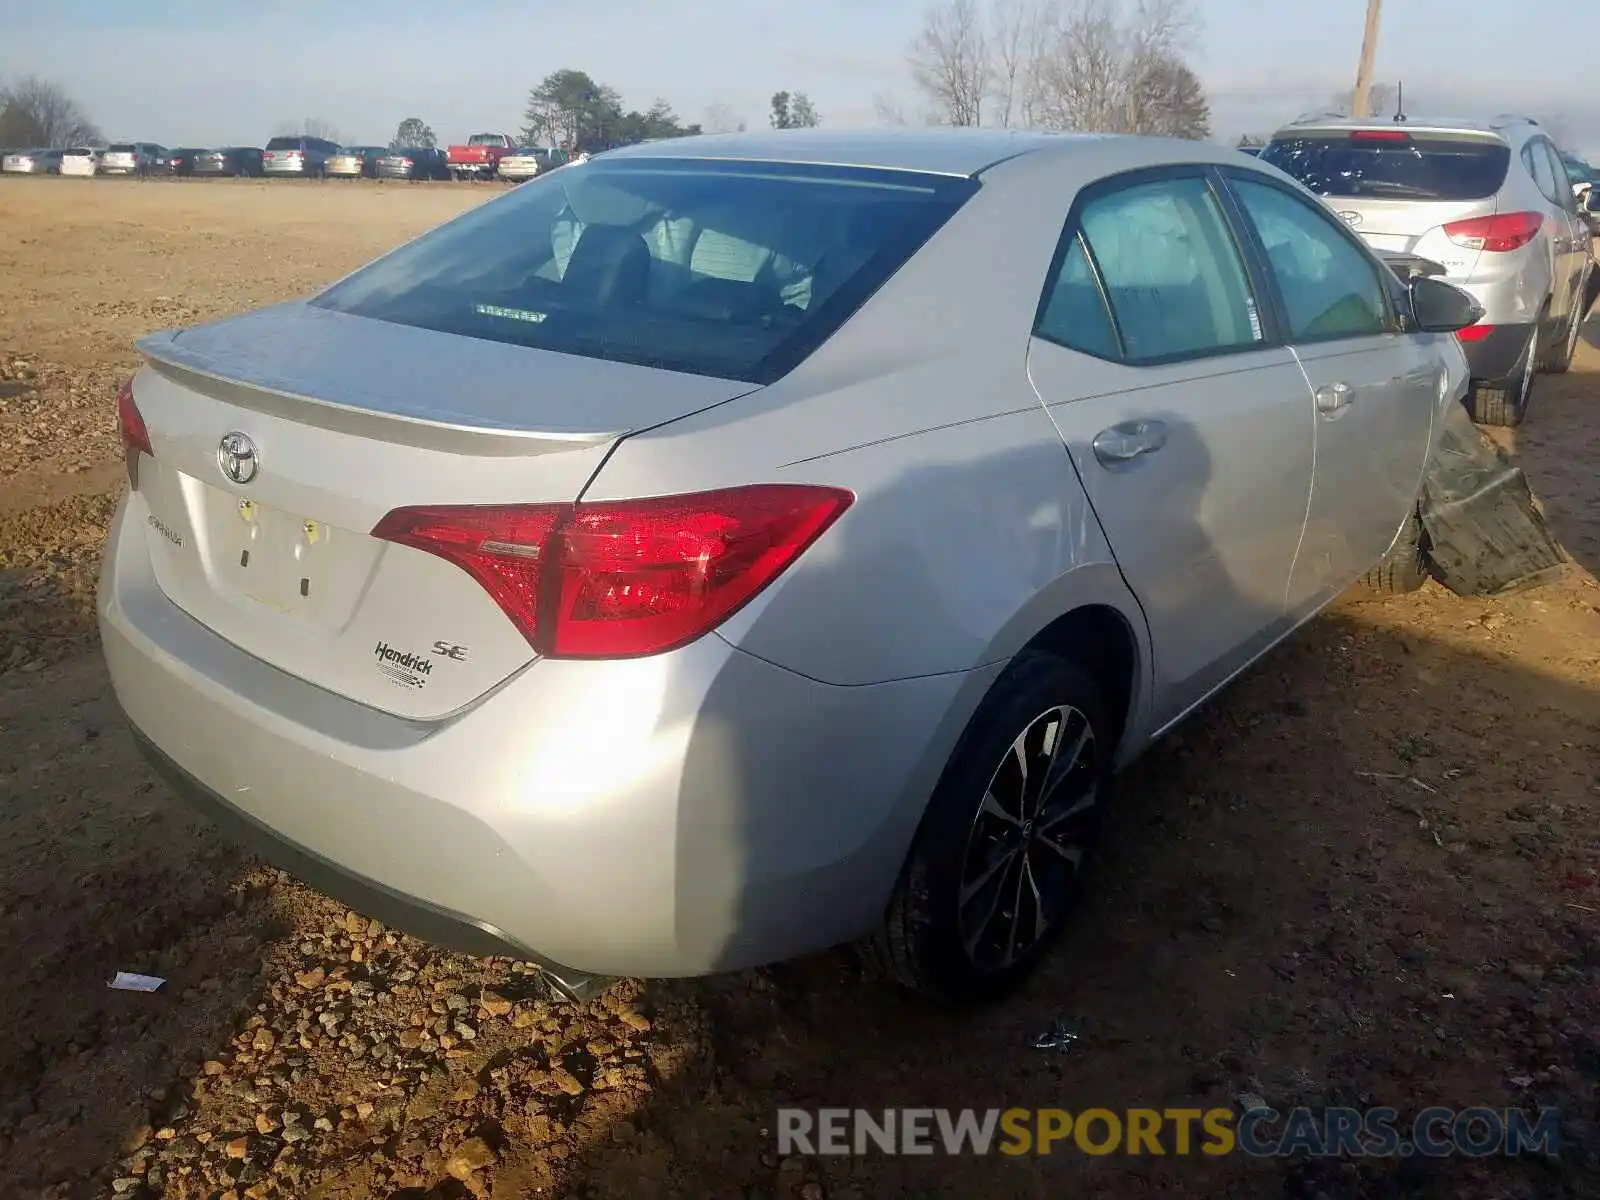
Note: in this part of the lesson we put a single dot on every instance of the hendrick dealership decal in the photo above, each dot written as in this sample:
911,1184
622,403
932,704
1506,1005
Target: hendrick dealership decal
403,668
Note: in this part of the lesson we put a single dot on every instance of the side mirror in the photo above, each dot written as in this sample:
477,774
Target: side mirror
1438,307
1591,200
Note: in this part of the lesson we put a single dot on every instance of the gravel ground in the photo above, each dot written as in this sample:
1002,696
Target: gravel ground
1367,875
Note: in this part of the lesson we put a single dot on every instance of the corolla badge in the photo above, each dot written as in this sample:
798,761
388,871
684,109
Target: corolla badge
1351,218
238,457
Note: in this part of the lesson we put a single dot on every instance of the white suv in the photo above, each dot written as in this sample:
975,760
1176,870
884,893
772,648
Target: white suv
1487,203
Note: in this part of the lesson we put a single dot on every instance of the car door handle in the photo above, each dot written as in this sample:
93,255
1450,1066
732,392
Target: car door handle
1128,440
1334,396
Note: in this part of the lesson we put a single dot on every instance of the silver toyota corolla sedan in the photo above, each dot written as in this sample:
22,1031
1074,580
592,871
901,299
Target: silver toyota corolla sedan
737,546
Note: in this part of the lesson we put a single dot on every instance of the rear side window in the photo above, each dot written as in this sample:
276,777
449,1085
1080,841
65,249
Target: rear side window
1173,276
1537,164
284,143
1394,165
736,270
1074,312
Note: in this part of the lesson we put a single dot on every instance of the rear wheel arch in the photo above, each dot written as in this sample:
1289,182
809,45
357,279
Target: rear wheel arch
1099,640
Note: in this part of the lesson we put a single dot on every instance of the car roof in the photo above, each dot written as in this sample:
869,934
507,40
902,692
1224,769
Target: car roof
1491,126
960,152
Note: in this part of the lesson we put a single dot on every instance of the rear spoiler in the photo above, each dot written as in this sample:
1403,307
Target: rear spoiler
461,437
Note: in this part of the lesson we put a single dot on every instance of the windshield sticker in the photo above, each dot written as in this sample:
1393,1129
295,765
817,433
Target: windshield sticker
509,314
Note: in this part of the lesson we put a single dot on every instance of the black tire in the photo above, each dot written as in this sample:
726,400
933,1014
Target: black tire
1506,404
924,943
1405,568
1560,359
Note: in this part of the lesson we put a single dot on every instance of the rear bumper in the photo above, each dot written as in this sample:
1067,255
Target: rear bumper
678,815
399,911
1494,358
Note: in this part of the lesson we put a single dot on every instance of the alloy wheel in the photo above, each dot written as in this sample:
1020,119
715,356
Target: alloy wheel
1028,839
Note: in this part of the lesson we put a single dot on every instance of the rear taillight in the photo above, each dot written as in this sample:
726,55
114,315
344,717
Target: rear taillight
628,578
1499,233
135,437
1379,135
1474,333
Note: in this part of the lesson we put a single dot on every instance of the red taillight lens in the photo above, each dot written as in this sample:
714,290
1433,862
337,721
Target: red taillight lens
135,437
1474,333
624,579
1498,234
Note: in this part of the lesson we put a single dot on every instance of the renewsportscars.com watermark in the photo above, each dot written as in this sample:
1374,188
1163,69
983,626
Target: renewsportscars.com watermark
1257,1132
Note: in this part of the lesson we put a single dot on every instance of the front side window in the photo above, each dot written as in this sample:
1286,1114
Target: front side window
735,270
1329,287
1172,273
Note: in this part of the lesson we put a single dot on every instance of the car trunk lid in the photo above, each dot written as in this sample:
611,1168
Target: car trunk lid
281,438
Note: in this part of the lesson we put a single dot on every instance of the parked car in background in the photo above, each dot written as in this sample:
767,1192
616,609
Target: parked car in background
80,161
414,162
182,160
305,157
571,631
529,161
133,158
237,161
479,157
1489,202
32,162
354,162
1580,174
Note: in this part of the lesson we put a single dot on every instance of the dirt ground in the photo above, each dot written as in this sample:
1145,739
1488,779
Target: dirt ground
1367,875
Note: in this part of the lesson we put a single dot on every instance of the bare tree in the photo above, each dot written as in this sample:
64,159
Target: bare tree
1167,100
1082,70
889,110
1016,38
309,127
949,61
802,113
1381,101
721,118
1116,67
36,112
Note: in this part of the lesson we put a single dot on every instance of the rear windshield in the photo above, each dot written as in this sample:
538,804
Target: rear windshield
122,148
736,270
484,139
1416,168
284,143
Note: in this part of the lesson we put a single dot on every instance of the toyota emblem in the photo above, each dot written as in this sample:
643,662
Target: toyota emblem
238,458
1351,218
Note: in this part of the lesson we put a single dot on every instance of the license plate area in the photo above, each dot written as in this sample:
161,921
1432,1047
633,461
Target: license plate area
279,559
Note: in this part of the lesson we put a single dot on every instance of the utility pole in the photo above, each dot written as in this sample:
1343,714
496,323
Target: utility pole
1360,100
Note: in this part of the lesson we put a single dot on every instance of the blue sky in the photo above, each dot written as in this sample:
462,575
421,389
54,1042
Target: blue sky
215,71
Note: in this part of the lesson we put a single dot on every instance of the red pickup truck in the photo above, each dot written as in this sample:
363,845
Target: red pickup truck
480,157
